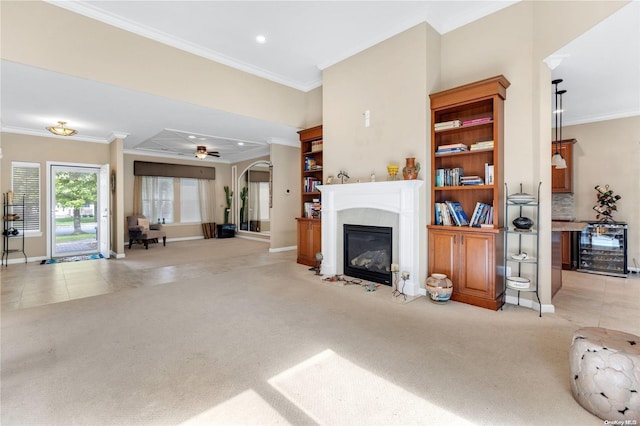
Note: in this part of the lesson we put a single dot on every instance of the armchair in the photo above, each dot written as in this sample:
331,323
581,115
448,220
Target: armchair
144,232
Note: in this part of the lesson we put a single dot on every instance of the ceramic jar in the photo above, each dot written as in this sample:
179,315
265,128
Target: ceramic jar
522,223
411,169
439,288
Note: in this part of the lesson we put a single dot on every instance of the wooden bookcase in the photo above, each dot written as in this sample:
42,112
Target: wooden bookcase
309,224
470,256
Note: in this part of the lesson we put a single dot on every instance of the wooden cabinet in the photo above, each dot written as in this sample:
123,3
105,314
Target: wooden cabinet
561,179
309,236
468,258
566,250
309,239
469,254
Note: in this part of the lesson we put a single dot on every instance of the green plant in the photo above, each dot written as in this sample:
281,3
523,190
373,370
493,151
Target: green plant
244,193
229,194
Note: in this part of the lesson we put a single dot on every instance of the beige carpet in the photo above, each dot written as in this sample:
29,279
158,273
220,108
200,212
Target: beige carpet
240,336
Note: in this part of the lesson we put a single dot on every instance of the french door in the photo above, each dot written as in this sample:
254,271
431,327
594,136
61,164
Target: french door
78,222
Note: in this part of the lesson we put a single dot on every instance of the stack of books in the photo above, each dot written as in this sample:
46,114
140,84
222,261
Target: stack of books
311,184
450,213
312,209
454,147
447,125
471,180
481,145
316,146
449,177
475,121
482,216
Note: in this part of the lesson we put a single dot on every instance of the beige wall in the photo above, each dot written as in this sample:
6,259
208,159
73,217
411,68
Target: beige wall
34,33
391,80
36,149
608,153
286,196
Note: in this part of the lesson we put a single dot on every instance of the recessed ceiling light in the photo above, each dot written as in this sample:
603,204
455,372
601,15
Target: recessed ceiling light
240,143
191,137
261,39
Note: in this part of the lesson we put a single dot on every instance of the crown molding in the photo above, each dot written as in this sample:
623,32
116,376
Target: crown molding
45,134
280,141
93,12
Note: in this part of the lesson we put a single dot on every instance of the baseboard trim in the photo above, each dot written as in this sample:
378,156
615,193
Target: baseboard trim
279,249
527,303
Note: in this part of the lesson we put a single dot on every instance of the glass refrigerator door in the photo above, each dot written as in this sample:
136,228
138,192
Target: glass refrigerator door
603,249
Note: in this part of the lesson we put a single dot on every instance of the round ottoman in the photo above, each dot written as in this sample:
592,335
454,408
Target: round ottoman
605,372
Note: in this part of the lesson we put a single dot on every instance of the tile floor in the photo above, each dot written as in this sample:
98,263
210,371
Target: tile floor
585,299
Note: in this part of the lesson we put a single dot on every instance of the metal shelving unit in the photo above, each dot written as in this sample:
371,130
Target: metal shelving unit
523,267
13,220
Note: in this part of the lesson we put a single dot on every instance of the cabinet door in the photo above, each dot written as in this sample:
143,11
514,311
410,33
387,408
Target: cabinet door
442,254
476,265
561,178
566,250
316,237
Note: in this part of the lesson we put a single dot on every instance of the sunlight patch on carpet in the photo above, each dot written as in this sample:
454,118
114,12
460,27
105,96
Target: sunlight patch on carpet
242,409
333,390
72,259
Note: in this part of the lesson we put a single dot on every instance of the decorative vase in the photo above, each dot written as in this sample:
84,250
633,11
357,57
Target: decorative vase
411,169
439,288
393,171
522,223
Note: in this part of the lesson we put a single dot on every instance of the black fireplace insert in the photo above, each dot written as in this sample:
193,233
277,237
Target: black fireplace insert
368,252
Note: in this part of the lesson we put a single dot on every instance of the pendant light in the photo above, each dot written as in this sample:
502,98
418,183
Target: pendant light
556,159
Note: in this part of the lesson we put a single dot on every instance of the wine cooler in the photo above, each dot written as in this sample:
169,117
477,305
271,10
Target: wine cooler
603,249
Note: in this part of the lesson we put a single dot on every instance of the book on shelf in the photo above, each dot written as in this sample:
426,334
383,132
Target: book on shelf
481,145
453,145
482,214
450,150
447,124
471,180
316,146
448,177
477,121
457,212
488,174
311,184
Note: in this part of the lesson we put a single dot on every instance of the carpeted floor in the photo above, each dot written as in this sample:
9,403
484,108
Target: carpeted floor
254,338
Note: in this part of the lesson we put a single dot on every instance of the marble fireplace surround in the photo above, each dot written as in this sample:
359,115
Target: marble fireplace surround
400,198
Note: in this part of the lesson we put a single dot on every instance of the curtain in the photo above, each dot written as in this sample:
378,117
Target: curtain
207,195
137,195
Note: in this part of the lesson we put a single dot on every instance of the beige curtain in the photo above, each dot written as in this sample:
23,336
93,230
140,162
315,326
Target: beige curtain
207,195
137,195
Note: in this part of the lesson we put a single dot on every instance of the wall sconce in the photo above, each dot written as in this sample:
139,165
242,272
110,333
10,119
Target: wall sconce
61,130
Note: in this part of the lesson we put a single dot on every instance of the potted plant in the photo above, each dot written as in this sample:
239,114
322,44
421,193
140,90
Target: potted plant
228,193
244,193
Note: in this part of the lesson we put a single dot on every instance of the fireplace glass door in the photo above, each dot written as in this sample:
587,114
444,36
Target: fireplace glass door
368,252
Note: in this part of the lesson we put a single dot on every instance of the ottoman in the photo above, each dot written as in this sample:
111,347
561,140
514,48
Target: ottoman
605,373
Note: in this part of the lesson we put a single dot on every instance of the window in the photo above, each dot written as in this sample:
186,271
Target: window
189,201
25,182
171,200
157,198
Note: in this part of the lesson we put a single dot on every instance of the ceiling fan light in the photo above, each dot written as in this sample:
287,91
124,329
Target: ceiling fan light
201,152
61,130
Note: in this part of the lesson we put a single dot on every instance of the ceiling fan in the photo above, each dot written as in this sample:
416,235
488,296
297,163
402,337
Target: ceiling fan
201,152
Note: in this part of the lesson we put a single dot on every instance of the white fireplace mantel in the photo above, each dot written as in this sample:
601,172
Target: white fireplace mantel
400,197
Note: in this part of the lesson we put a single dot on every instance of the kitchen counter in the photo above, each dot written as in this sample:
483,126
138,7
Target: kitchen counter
572,226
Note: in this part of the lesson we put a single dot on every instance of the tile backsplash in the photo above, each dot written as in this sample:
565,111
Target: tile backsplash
562,207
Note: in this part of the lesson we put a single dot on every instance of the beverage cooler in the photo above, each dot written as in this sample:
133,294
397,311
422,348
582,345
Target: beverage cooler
603,249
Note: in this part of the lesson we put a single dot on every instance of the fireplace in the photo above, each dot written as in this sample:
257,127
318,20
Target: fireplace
368,252
399,198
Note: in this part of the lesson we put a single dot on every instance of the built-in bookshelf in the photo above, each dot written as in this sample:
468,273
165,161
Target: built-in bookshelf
309,222
467,190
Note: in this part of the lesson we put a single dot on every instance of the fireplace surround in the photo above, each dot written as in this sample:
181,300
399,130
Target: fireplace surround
399,199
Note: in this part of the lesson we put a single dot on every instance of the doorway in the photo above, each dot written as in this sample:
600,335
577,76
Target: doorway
79,210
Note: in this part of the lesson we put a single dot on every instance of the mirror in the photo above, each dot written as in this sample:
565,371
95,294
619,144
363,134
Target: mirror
254,198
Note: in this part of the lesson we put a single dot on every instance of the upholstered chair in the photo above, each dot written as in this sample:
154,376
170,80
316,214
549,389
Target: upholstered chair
142,231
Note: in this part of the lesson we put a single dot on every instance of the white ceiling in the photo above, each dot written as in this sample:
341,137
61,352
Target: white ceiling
601,70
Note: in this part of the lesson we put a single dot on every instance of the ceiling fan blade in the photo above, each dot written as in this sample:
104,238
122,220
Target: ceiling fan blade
214,153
